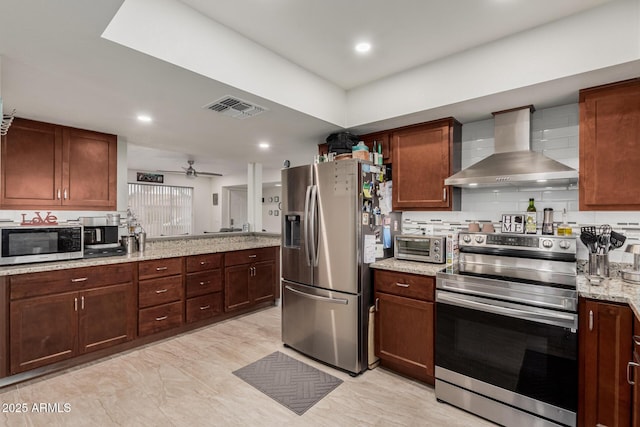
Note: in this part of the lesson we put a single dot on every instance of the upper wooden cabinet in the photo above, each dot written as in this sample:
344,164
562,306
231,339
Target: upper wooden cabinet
57,167
423,157
609,141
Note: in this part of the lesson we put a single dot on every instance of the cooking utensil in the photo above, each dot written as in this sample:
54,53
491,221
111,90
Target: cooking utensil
589,240
616,240
588,229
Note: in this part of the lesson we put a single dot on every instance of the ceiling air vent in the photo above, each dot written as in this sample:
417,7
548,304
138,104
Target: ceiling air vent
234,107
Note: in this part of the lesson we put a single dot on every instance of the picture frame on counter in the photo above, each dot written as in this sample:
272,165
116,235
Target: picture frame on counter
512,223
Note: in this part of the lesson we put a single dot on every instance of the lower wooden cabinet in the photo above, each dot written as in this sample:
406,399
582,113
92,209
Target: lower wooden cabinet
250,278
605,340
203,287
160,295
404,323
51,328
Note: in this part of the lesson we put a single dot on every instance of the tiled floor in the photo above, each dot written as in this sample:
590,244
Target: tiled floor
188,381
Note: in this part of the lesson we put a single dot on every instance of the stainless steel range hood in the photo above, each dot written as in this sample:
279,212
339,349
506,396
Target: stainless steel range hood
513,162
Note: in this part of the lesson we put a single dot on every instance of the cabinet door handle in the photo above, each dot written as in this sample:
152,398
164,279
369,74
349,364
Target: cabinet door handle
636,339
59,195
591,320
65,194
82,303
204,262
205,283
161,291
402,285
79,279
377,304
161,268
75,304
252,256
444,194
629,366
161,318
206,307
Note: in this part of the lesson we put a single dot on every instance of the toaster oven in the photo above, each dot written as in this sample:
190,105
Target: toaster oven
421,248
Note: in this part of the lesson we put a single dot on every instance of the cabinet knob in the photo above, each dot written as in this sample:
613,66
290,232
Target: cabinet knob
204,262
205,283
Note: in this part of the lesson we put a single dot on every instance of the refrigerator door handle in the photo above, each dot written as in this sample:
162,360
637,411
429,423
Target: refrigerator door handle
305,228
318,297
314,219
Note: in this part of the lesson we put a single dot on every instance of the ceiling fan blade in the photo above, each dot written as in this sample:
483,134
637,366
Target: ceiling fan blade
209,173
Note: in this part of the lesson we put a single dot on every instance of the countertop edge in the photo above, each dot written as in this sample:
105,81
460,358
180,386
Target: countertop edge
167,251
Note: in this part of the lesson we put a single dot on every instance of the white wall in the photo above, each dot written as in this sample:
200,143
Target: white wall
271,222
595,39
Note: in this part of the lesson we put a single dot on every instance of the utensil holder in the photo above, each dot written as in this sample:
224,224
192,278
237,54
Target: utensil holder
142,241
603,265
593,264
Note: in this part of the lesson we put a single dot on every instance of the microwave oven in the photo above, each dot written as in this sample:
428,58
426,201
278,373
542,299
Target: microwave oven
23,244
421,248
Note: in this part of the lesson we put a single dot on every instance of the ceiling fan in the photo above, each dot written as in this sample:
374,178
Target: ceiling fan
190,172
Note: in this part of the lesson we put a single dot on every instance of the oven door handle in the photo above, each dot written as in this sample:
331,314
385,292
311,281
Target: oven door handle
557,319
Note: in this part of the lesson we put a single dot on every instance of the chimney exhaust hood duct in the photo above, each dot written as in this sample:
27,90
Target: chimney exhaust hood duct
513,163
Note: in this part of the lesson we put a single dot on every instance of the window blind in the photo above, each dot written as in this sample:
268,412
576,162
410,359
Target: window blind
162,210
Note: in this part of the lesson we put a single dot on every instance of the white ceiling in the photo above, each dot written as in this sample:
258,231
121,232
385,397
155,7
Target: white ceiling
56,67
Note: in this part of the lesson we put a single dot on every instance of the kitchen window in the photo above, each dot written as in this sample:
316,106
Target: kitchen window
162,210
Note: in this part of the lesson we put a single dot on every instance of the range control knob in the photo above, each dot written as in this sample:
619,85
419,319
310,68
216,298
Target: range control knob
436,250
466,238
479,239
565,244
436,243
547,243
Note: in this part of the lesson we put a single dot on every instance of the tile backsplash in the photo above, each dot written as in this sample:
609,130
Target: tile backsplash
554,132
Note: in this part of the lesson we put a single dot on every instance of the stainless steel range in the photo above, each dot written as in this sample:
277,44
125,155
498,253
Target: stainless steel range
506,329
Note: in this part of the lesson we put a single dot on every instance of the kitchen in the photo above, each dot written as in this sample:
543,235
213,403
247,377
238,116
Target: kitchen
487,106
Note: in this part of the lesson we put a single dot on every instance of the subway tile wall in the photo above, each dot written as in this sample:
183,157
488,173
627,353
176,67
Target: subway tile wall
554,132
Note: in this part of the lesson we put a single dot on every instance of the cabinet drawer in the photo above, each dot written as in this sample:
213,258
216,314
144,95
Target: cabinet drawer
197,263
160,291
204,283
160,318
406,285
73,279
249,256
204,307
159,268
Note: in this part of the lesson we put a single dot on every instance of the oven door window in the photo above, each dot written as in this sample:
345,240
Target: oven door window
525,357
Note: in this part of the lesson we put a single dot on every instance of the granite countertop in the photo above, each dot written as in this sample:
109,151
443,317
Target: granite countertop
156,249
413,267
613,290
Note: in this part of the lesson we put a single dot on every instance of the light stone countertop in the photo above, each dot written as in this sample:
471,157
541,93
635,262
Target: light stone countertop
612,290
156,249
413,267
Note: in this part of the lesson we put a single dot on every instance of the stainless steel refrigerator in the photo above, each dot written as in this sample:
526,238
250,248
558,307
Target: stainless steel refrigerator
330,233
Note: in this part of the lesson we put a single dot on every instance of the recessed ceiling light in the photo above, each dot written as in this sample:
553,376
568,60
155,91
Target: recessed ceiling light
144,118
263,145
363,47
